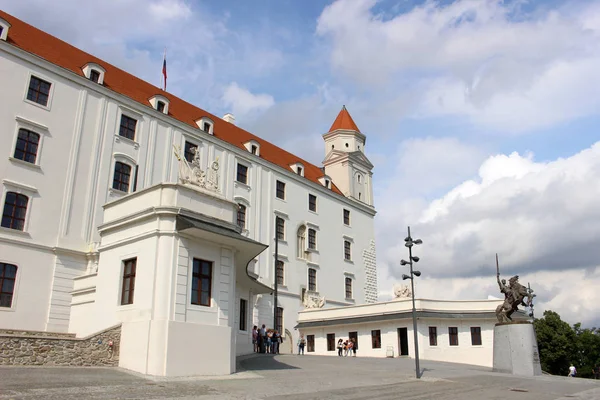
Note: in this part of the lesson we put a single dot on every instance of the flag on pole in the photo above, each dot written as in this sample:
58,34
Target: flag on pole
164,70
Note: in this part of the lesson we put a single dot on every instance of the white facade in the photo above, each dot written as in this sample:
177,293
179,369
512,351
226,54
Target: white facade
69,184
464,330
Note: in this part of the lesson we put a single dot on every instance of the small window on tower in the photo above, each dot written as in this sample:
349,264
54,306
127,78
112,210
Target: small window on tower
347,145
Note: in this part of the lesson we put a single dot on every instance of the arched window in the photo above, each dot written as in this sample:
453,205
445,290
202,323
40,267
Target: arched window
241,216
301,241
358,178
122,177
8,276
15,210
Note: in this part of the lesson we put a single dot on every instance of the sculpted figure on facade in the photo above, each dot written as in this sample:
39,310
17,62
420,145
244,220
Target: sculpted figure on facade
193,174
402,291
313,301
514,296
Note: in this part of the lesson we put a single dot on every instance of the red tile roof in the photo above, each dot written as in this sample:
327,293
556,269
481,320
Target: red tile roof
344,121
56,51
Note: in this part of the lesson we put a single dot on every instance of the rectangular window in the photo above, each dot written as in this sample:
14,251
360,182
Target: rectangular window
190,151
202,282
15,210
280,273
331,342
280,227
121,177
347,250
254,149
312,239
376,339
476,336
206,127
27,146
243,314
310,343
280,190
39,91
453,336
279,320
348,288
127,128
242,174
160,106
312,279
312,202
94,76
346,217
8,276
127,289
433,336
241,216
299,170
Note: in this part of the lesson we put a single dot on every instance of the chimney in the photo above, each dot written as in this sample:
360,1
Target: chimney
229,118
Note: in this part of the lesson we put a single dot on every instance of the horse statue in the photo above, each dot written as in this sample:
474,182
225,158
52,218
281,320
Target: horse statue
514,296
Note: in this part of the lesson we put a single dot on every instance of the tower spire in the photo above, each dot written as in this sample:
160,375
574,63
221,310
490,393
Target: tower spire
344,121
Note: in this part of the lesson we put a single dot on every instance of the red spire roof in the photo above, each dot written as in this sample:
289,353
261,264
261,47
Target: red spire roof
344,121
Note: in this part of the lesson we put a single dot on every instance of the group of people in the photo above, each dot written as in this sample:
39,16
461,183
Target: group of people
266,340
346,347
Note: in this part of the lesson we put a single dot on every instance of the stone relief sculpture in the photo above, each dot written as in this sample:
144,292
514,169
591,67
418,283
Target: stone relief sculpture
402,291
514,296
311,300
192,173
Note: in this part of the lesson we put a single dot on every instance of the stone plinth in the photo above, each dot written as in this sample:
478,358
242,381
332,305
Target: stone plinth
516,350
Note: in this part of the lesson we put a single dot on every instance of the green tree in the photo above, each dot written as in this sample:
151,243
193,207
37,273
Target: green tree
556,343
587,349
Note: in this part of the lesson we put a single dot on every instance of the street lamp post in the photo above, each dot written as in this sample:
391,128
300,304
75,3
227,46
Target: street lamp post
409,242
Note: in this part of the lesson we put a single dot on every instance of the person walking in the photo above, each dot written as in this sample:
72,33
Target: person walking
340,347
572,371
354,346
255,338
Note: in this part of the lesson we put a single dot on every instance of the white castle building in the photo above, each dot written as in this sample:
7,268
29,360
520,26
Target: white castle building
123,204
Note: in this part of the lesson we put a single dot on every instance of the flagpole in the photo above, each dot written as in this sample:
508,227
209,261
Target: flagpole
162,79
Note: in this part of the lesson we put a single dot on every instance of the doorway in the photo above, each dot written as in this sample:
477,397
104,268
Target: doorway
403,341
354,335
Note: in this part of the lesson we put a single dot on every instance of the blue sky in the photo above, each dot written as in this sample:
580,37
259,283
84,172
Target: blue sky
478,114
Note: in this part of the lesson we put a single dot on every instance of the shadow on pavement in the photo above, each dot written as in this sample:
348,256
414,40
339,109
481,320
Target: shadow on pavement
263,362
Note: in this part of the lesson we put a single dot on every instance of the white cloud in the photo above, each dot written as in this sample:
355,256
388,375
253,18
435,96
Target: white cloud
242,102
170,9
486,60
540,217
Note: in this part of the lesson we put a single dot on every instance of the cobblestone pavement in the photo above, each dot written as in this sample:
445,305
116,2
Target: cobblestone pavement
295,377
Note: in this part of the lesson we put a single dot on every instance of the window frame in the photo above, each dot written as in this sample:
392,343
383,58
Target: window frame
476,334
453,333
131,175
376,339
131,276
3,277
348,284
237,173
346,218
94,73
241,211
201,276
243,322
314,238
120,127
279,319
15,206
280,272
280,233
185,149
43,78
310,343
161,106
312,202
313,278
39,129
279,190
433,336
25,151
347,250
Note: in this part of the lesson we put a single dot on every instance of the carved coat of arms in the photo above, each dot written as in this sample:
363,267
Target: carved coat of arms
192,173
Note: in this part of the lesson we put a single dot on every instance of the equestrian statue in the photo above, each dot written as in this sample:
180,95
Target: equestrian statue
514,296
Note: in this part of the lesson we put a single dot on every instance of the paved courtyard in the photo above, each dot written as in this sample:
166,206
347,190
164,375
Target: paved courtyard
295,377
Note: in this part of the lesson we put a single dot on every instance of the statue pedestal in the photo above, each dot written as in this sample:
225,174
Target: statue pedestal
515,349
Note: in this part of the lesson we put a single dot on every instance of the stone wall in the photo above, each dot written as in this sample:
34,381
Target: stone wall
46,348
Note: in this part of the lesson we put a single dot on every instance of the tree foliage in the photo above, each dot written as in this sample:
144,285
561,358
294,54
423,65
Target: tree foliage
561,345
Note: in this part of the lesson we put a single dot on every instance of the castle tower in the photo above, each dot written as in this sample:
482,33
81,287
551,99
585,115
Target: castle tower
345,161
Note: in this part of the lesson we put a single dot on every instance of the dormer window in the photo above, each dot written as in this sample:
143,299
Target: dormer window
206,124
4,26
253,147
160,103
325,181
298,168
94,76
94,73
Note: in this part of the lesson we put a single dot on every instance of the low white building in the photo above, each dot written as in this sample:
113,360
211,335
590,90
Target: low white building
453,331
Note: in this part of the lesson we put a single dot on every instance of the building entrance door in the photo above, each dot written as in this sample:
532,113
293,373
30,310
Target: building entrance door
354,335
403,341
